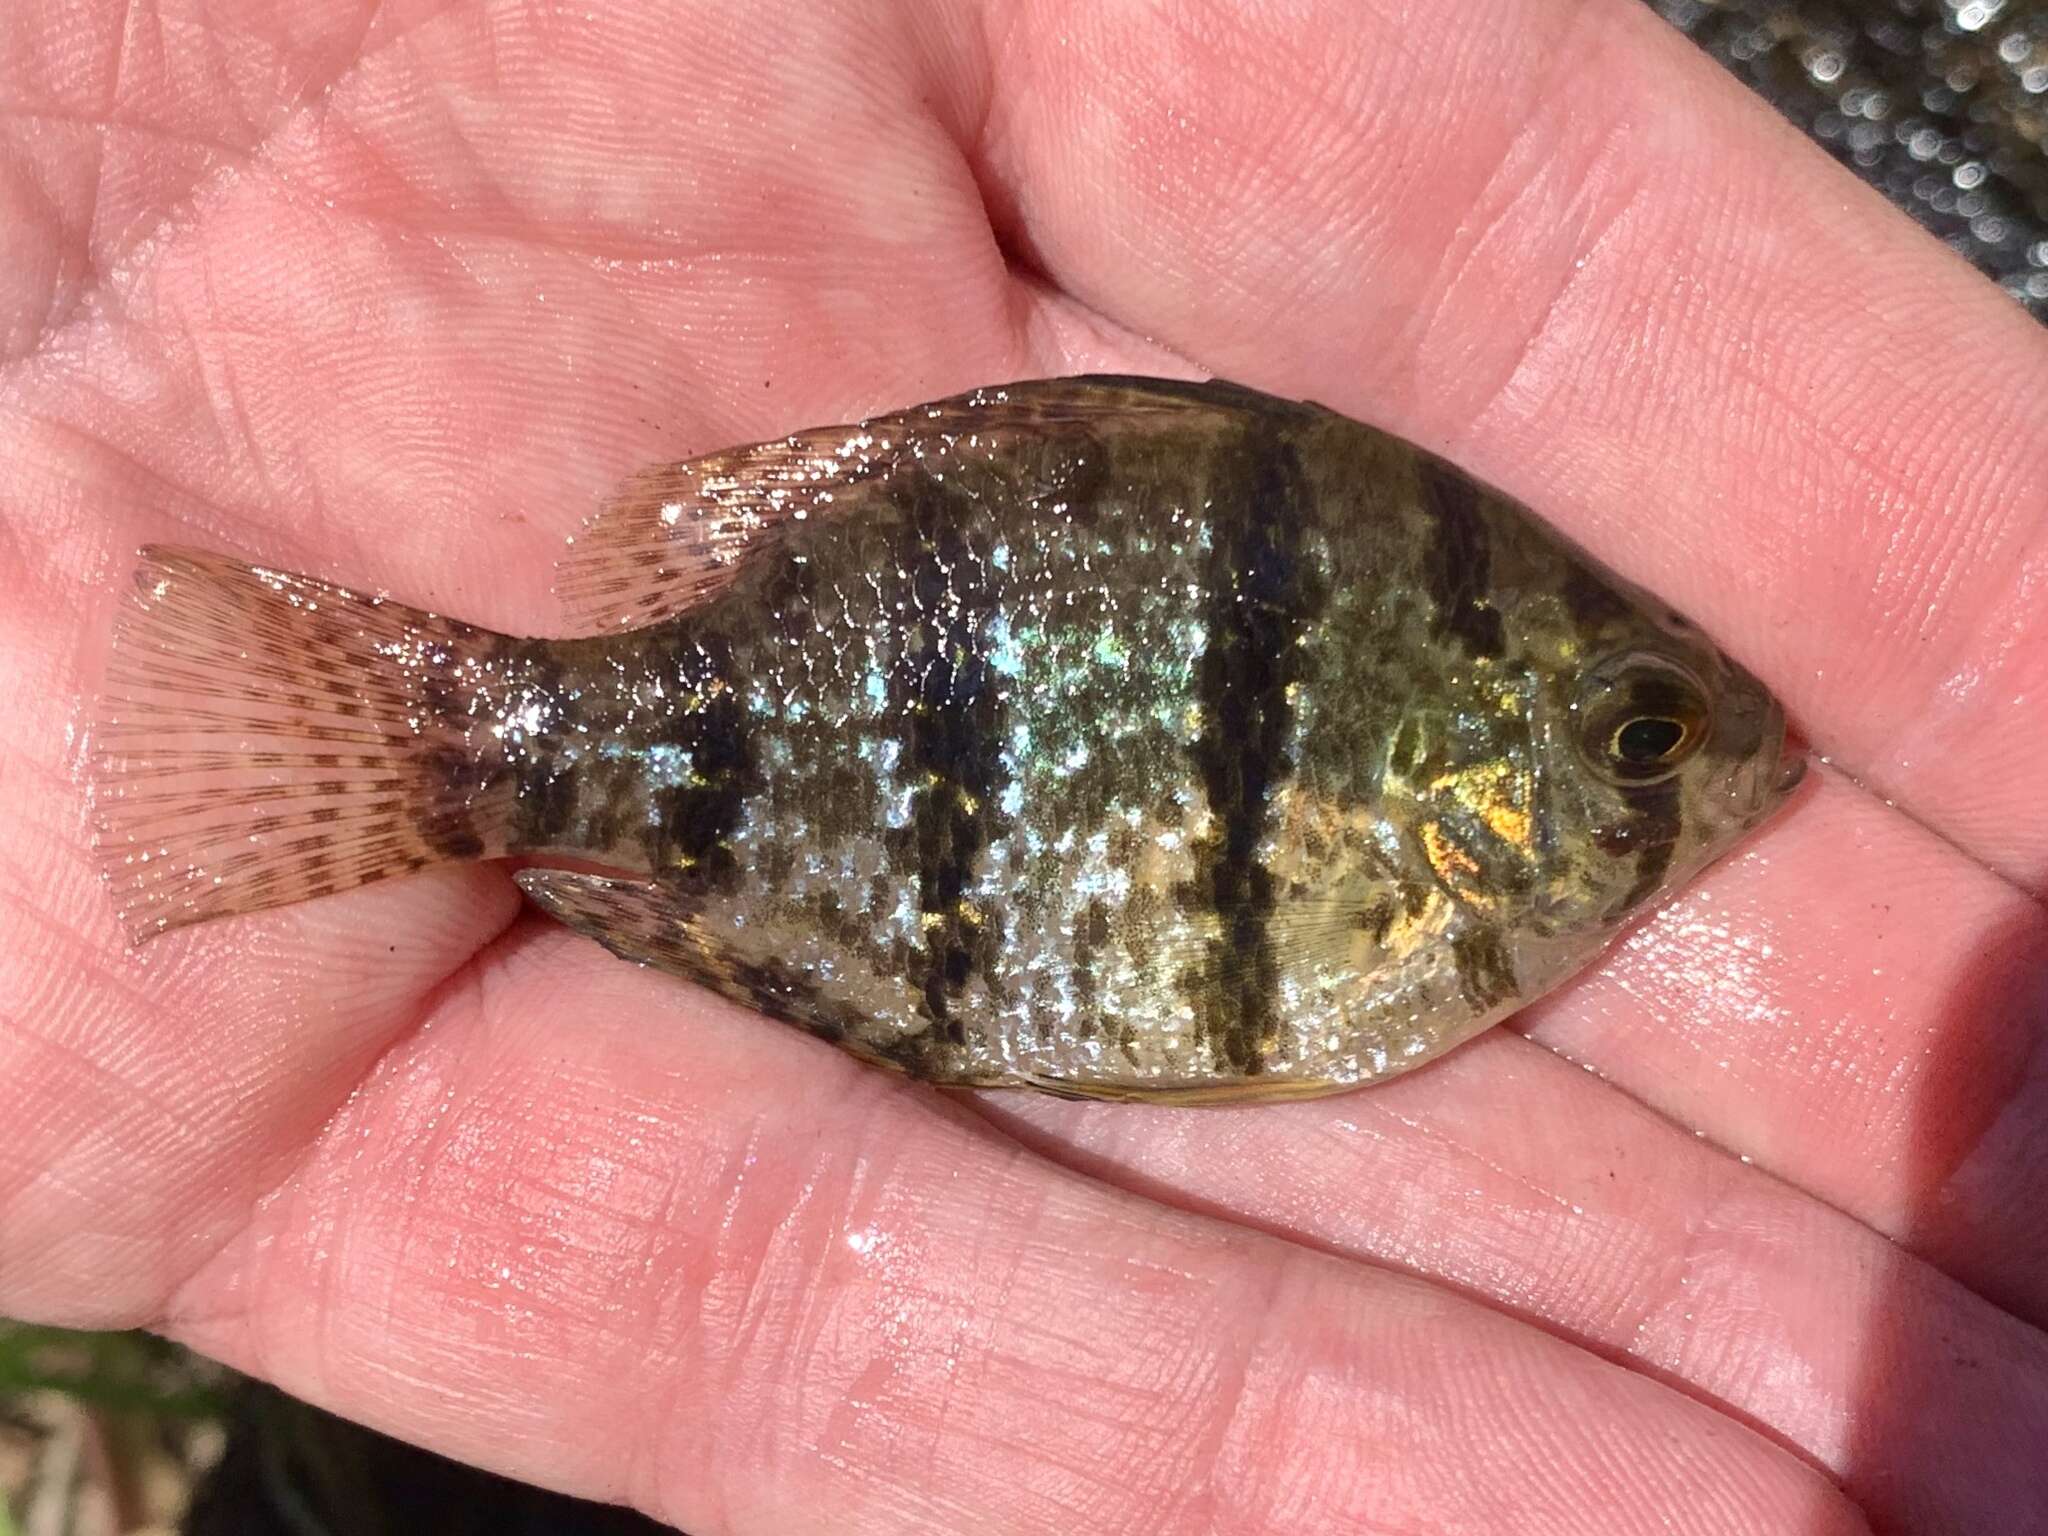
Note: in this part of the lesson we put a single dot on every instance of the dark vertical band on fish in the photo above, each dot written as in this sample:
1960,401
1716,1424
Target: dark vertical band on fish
1261,592
952,710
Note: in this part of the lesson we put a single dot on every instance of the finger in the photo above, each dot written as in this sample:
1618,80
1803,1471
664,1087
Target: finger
1858,1008
675,1255
1561,246
1509,1174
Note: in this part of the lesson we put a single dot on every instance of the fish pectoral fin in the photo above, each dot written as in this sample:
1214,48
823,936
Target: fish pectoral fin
677,534
635,920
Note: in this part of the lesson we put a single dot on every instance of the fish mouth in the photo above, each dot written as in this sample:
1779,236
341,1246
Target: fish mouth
1778,766
1792,761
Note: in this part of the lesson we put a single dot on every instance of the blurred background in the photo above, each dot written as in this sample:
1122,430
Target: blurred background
112,1434
1940,104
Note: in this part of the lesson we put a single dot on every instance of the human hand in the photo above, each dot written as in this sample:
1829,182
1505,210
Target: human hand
393,293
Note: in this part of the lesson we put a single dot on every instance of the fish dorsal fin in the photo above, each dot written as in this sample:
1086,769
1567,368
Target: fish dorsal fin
675,535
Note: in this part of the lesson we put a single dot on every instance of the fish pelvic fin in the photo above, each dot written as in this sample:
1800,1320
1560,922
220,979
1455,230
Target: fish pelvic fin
265,738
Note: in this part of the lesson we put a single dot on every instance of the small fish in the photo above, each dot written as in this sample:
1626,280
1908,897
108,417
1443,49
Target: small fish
1115,737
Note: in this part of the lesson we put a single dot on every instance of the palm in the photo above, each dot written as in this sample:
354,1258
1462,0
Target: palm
449,1170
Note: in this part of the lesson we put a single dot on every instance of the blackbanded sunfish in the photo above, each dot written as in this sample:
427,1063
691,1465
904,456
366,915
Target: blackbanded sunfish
1111,736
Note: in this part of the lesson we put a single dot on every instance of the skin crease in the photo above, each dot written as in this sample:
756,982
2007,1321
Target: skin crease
421,281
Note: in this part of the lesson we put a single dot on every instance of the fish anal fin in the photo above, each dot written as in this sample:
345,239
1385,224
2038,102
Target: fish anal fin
636,920
675,535
654,926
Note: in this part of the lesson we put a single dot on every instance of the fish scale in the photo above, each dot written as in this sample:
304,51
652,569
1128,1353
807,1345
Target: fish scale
1116,737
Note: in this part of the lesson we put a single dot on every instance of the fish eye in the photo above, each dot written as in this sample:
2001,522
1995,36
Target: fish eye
1647,740
1639,718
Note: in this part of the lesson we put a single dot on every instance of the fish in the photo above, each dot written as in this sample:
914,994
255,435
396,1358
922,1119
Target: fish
1115,737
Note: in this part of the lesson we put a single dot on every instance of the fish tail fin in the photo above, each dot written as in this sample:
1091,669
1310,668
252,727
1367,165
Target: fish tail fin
265,738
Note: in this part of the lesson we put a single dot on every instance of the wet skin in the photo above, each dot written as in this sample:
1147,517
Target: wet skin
462,1175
